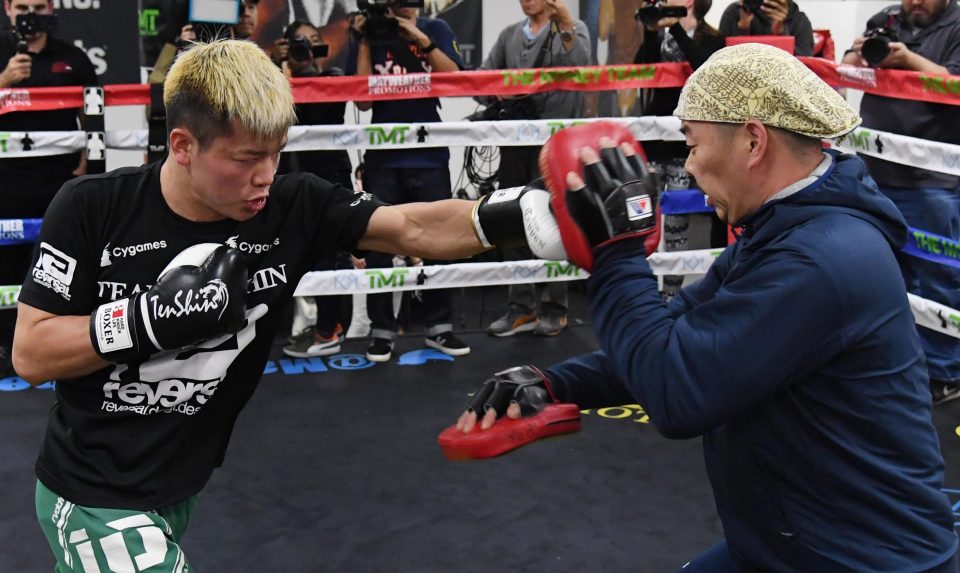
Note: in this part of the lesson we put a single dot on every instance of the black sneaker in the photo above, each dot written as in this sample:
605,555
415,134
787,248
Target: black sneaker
943,392
380,350
305,334
447,343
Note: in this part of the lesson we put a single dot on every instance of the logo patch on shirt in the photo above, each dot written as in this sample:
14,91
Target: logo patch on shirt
54,270
61,68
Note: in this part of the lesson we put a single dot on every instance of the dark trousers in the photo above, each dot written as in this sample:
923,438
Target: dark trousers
328,307
396,186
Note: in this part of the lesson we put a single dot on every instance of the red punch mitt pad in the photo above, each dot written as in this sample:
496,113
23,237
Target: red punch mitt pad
507,434
561,155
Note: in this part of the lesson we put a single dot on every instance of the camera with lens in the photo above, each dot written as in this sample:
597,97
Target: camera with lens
301,49
652,14
380,28
876,44
31,24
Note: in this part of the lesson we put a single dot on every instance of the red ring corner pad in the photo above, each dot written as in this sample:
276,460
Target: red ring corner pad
506,434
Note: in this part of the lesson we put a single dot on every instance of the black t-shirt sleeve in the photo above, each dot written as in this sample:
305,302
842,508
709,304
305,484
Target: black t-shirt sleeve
337,215
62,277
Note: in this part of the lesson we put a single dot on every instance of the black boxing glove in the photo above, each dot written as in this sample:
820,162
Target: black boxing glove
519,217
199,295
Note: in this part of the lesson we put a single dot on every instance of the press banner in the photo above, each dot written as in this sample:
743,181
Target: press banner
465,18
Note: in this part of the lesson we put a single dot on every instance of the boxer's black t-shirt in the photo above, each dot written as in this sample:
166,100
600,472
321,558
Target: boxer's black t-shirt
146,435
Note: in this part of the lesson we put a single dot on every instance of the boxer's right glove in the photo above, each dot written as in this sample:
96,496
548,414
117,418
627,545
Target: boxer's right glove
619,198
541,415
201,297
519,217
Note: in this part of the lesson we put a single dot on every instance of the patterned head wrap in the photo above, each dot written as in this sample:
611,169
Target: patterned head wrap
757,81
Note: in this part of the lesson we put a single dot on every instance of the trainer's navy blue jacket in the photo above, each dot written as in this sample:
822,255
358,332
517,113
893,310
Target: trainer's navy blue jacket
797,359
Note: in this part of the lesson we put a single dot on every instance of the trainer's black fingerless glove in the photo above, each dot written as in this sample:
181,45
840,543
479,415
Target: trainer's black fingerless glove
525,385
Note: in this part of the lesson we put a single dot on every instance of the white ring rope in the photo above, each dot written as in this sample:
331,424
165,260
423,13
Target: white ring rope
935,156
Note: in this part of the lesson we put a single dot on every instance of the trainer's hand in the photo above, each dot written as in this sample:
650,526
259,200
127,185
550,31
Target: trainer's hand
201,296
515,392
601,190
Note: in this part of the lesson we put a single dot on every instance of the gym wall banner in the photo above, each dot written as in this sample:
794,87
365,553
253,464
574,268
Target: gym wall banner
105,29
465,18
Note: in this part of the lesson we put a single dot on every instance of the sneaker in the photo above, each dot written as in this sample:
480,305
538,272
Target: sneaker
550,323
305,334
942,391
380,350
447,343
315,345
514,321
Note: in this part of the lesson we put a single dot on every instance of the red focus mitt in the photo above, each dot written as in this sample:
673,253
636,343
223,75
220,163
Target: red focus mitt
541,416
619,198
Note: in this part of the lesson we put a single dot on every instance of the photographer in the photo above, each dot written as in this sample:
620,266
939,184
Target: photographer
548,37
299,53
769,18
389,38
247,22
29,183
919,35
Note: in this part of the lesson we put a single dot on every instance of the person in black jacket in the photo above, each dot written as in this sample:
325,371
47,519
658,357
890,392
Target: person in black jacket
772,18
687,39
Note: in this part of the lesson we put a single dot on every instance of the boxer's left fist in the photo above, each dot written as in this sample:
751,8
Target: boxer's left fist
601,190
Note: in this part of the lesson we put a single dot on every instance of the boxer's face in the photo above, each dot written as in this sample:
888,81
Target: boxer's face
229,178
719,168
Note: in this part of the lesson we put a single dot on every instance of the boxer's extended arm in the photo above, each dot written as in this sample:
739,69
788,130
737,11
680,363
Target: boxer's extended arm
452,229
49,346
436,230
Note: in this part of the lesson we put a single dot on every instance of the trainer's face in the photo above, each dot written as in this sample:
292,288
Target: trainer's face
720,169
231,177
922,13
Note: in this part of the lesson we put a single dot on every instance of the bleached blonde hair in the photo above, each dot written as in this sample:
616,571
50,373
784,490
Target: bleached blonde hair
213,86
